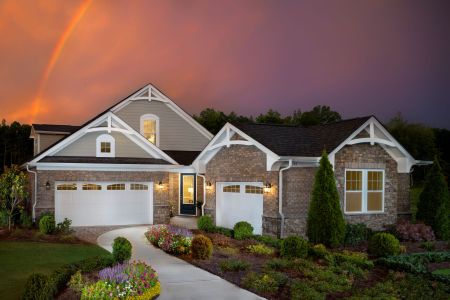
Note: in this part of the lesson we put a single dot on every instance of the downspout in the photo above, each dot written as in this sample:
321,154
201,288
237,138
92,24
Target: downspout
33,213
280,196
204,193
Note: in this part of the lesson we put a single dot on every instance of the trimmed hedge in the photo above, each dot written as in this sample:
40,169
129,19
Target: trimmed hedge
47,224
43,287
384,244
294,246
242,230
121,249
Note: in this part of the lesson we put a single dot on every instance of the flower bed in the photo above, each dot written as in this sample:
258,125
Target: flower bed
169,238
124,281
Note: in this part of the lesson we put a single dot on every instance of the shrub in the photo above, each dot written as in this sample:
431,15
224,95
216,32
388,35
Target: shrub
228,251
260,249
268,240
264,283
277,264
301,290
325,223
47,224
415,262
36,287
224,231
25,219
201,247
318,251
64,226
359,259
233,265
121,249
242,230
76,282
406,231
294,246
434,203
355,234
169,238
383,244
429,246
205,223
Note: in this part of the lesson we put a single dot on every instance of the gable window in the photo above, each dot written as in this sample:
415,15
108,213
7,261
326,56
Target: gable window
150,128
105,146
364,191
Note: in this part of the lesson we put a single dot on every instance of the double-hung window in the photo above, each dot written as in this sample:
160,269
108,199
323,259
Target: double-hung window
150,128
364,191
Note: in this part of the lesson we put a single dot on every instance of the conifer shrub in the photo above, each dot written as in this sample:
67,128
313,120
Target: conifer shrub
201,247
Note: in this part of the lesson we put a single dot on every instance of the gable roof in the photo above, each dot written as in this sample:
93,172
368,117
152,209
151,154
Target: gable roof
305,141
55,128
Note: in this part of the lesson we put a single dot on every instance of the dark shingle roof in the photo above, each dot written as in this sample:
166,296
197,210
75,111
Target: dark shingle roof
310,141
55,128
183,157
104,160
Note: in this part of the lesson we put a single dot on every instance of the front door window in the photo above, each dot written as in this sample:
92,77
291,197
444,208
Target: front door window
188,193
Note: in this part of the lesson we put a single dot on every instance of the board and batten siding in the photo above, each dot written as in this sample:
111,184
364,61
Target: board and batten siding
86,146
175,132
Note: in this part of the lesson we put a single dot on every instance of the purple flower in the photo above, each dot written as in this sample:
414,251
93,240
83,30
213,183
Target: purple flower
114,274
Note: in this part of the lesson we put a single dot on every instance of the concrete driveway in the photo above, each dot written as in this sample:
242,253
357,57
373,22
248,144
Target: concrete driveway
179,279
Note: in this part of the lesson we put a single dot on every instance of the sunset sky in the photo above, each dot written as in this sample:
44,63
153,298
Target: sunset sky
66,61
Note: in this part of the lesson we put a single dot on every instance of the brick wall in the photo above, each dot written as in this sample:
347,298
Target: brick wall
404,203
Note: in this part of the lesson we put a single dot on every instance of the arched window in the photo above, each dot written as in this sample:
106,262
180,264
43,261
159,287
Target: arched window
150,128
106,146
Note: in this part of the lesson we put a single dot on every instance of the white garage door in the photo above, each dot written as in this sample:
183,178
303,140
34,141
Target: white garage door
239,201
104,203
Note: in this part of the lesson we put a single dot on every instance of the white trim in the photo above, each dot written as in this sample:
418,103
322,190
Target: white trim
364,192
105,138
153,118
111,167
372,141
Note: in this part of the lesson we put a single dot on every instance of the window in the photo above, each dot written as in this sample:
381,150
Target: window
150,128
188,182
105,146
232,189
251,189
67,187
116,187
364,191
91,187
138,187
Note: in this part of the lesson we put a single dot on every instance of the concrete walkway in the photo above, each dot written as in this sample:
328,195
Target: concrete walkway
179,279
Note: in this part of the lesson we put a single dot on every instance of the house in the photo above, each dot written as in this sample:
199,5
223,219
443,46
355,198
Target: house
144,160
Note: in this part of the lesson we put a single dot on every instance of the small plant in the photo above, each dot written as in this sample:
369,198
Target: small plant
355,234
224,231
268,240
384,244
318,251
265,283
278,264
429,246
47,224
260,249
294,246
121,249
201,247
242,230
233,265
36,287
205,223
76,282
228,251
64,226
406,231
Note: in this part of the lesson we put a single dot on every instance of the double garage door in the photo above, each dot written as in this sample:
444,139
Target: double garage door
104,203
239,201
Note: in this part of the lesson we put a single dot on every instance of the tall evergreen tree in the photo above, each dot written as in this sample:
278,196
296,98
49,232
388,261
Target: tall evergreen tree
325,223
434,203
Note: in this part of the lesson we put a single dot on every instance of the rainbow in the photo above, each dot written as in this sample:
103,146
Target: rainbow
56,53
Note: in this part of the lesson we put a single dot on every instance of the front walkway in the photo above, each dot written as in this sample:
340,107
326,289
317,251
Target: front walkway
179,279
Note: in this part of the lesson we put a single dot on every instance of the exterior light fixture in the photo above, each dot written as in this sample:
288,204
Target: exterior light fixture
208,185
160,185
267,187
47,185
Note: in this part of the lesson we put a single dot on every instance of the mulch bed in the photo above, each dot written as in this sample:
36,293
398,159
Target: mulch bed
69,294
33,235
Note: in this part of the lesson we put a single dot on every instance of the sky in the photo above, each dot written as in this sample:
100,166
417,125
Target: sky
63,62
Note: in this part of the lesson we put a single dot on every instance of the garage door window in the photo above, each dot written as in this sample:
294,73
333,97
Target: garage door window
67,187
232,189
138,187
91,187
116,187
252,189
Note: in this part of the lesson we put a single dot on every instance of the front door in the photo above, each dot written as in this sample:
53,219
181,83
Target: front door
188,194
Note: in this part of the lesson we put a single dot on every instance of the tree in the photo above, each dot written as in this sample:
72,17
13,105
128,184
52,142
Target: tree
211,119
271,117
434,203
13,191
325,222
320,114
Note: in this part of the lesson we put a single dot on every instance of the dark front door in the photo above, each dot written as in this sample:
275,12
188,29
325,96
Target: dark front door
188,194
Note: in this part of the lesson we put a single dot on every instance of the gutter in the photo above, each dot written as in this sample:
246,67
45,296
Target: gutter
280,196
204,193
33,212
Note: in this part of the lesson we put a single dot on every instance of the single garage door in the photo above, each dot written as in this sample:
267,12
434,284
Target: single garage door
239,201
104,203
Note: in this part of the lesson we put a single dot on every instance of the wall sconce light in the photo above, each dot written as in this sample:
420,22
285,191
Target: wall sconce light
267,187
47,185
160,185
208,185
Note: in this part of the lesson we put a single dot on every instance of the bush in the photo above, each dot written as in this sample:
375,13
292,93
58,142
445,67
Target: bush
64,226
325,223
201,247
205,223
242,230
260,249
278,264
233,265
429,246
47,224
121,249
358,259
318,251
36,287
264,283
76,282
225,231
268,240
355,234
294,246
406,231
25,220
383,244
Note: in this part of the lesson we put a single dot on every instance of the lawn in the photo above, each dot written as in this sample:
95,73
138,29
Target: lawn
18,260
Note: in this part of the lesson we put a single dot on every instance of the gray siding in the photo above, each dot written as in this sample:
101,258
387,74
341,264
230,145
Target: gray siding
86,146
47,140
175,132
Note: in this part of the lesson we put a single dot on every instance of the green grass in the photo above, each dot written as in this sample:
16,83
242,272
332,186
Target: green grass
18,260
445,272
